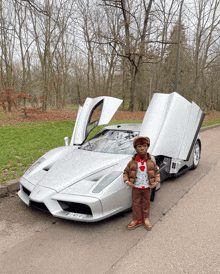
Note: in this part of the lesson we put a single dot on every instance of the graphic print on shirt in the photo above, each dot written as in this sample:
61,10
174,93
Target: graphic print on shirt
141,181
142,165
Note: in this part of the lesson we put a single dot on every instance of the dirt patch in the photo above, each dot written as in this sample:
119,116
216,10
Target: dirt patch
16,117
63,115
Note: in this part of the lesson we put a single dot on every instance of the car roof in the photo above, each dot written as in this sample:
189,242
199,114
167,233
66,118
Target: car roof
133,127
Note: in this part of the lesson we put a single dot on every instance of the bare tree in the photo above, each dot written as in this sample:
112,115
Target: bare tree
50,32
206,37
134,42
7,42
72,49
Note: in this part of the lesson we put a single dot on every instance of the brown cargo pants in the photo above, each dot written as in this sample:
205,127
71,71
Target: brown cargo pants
140,203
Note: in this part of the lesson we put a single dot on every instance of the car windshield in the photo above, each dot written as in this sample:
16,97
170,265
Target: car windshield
112,141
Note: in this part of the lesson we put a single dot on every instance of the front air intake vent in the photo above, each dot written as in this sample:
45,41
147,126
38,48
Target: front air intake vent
75,207
26,190
40,206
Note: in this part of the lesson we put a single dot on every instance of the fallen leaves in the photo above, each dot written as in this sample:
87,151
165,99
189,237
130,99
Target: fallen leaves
64,115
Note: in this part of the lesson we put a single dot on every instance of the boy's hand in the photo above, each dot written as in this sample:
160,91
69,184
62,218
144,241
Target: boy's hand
130,184
154,185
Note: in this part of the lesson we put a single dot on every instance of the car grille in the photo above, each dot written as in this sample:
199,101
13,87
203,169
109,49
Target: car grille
75,207
26,190
40,206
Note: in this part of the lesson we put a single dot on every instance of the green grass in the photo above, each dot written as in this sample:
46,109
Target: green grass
73,108
22,144
212,121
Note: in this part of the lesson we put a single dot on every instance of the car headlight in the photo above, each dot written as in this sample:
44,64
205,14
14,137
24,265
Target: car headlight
106,181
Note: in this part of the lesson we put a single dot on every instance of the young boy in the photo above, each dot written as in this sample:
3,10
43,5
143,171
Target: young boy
141,174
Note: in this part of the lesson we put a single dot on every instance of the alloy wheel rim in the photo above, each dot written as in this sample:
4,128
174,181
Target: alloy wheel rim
196,154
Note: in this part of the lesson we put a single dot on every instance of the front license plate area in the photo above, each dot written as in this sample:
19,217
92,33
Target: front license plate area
75,215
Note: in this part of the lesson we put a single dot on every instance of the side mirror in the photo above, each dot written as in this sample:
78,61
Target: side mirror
66,141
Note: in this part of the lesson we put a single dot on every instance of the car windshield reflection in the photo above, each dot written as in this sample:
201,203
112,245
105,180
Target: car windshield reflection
112,141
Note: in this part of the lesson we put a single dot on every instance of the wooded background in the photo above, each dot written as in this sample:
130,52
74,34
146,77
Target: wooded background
59,51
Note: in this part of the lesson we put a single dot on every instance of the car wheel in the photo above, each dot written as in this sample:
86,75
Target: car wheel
196,155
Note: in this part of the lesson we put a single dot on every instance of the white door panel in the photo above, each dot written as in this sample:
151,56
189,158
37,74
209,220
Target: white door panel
84,124
171,122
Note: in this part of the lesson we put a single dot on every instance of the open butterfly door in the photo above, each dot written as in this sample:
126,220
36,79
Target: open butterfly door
172,123
107,107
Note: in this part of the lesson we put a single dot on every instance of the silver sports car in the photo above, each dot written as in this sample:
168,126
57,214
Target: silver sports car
83,180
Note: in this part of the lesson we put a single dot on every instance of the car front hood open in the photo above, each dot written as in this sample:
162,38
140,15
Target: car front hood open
76,166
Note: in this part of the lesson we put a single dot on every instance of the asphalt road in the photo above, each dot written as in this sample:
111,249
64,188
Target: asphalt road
32,241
